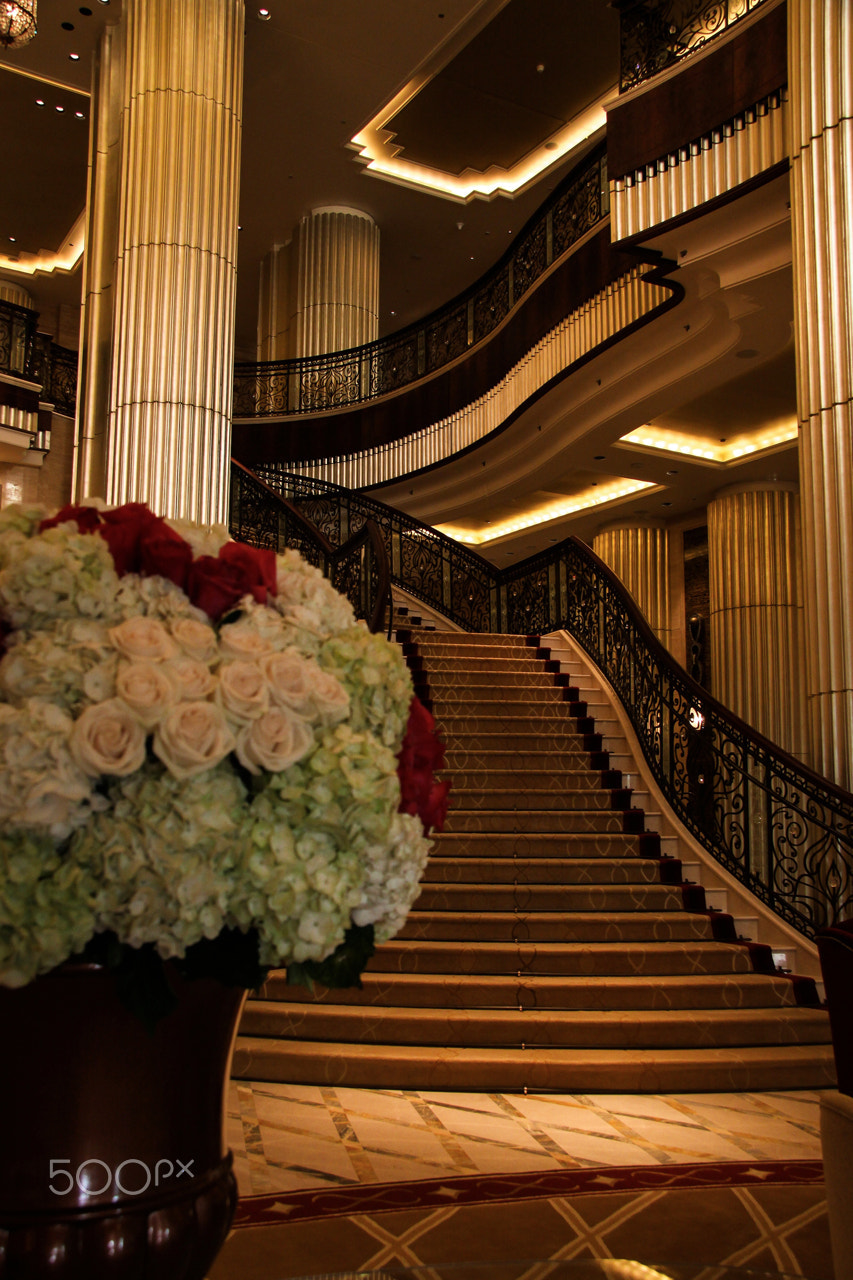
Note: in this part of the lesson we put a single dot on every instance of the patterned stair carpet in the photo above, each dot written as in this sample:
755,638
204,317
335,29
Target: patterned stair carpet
553,946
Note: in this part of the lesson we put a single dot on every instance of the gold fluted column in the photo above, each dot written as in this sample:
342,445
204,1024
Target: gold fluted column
756,609
820,40
336,285
639,554
161,250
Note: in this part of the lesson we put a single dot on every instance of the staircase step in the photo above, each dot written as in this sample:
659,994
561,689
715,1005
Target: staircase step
474,870
563,899
570,959
523,781
467,799
427,1067
542,820
577,1029
525,844
552,927
745,990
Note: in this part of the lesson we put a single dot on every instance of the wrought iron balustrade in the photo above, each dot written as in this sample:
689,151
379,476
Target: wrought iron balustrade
17,340
656,34
779,828
357,565
56,369
319,383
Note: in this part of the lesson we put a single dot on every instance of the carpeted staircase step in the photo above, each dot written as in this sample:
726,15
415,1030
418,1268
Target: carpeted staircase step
574,1029
541,820
516,739
553,927
553,844
605,959
560,900
542,871
746,990
523,781
506,1070
576,798
521,759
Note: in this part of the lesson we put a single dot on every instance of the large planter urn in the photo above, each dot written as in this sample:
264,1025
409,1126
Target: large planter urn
113,1160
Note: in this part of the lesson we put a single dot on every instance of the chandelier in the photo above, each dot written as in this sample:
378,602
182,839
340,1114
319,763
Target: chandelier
17,22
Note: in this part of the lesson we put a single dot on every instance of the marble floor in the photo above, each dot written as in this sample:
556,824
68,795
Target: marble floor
295,1137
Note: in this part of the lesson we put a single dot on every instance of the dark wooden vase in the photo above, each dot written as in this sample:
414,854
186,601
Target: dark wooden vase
113,1161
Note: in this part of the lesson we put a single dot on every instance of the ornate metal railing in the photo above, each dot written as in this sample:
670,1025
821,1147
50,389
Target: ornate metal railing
655,34
17,339
316,383
356,565
782,830
55,368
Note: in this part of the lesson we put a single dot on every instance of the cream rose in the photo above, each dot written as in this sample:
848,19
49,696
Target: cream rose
242,691
108,739
301,685
192,679
192,737
143,638
236,640
274,742
147,690
196,639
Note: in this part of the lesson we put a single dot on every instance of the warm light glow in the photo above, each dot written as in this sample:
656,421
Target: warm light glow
43,263
550,511
383,157
730,450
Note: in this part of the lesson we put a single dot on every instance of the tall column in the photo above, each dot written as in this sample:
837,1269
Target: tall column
162,250
639,555
756,610
820,40
336,287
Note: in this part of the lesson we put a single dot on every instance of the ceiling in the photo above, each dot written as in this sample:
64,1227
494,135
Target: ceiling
459,86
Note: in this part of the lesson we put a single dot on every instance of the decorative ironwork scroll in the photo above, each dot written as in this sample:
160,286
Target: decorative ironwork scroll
655,34
277,388
780,829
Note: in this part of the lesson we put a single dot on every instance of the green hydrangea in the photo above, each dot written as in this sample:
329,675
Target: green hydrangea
375,675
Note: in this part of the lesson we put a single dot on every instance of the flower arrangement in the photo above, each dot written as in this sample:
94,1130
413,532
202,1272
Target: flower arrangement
205,758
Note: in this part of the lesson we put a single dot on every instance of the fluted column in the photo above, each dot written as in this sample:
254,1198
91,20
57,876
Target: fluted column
164,231
756,609
820,41
639,555
336,293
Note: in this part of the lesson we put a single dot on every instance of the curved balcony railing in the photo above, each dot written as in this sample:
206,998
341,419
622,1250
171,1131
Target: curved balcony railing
18,327
656,34
779,828
319,383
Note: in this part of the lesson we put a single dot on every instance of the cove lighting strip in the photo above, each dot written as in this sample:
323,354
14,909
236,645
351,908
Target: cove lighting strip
663,441
552,511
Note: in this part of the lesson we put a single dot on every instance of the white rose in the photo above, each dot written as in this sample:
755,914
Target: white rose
147,690
144,638
236,640
193,737
301,685
274,742
191,678
242,691
108,739
196,639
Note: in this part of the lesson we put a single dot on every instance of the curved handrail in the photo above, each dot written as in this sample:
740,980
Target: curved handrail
782,830
310,384
358,566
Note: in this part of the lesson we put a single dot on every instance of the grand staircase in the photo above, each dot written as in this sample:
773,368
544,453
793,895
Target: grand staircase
554,945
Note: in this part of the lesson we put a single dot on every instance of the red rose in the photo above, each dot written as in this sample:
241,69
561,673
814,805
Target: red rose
165,552
122,531
88,519
256,563
215,586
421,754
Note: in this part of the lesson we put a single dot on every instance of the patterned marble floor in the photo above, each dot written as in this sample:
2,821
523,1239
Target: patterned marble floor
295,1137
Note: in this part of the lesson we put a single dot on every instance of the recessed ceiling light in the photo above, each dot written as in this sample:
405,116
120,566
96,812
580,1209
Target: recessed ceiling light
80,115
39,102
599,457
672,473
67,26
87,13
74,57
13,239
264,15
59,108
